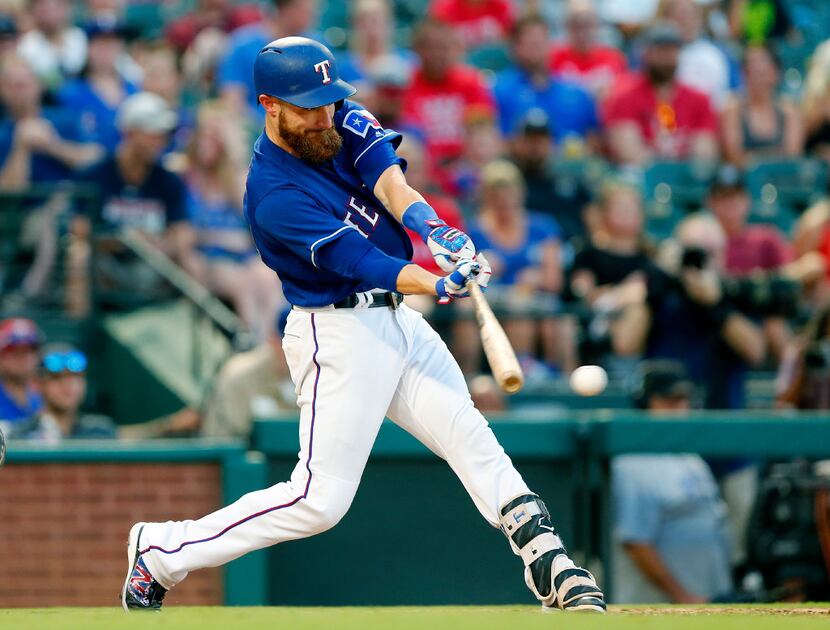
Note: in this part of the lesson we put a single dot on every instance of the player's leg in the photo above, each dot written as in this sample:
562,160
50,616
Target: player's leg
346,365
433,404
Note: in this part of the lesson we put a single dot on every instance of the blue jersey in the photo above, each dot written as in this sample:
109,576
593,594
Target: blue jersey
295,208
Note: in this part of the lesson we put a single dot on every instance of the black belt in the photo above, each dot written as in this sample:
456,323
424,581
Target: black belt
392,299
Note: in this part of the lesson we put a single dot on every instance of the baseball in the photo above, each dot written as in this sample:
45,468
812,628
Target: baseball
588,380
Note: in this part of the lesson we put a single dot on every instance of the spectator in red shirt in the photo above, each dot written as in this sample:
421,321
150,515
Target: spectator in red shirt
752,247
582,59
219,14
650,115
477,22
443,92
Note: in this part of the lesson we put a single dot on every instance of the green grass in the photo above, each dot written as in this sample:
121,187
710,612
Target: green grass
421,618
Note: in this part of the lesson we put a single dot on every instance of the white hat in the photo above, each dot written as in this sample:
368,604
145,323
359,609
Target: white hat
146,112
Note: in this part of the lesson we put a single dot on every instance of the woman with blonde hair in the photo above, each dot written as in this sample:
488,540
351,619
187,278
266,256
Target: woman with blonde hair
815,102
224,258
524,250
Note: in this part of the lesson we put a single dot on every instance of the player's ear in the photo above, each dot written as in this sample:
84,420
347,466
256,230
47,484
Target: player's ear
269,104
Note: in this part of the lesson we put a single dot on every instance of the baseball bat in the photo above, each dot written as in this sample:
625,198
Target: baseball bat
497,348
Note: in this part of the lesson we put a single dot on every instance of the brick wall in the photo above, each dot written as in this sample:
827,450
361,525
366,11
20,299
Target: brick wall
63,528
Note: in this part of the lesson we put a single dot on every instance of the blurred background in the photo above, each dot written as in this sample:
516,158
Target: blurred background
649,179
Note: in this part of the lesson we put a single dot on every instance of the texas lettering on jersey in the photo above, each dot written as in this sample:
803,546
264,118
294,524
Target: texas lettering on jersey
361,217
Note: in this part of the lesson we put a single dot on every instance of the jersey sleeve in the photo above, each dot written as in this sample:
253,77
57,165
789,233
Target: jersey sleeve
371,147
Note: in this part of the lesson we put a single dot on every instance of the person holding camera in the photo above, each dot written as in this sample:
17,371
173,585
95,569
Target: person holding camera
687,315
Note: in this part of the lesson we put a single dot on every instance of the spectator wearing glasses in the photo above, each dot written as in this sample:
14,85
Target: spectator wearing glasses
61,378
19,342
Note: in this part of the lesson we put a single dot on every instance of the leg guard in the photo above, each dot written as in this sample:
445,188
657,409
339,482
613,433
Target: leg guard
549,573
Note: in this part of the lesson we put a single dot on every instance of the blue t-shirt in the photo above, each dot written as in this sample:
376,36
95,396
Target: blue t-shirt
541,229
220,227
44,168
12,412
295,208
670,502
96,116
235,67
570,109
151,206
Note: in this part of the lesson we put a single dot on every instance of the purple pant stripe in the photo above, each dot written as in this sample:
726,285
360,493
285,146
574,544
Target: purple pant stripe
307,465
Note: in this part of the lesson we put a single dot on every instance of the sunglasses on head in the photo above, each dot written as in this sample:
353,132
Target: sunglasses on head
57,362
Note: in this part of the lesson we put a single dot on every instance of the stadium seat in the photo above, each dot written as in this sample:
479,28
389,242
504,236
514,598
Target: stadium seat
493,57
782,189
672,190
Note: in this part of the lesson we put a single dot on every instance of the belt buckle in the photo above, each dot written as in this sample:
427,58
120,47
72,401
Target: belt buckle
394,300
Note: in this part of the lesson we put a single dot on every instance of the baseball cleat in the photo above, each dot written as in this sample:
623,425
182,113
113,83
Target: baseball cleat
140,590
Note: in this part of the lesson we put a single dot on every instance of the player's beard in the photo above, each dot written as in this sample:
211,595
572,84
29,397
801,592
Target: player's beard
316,147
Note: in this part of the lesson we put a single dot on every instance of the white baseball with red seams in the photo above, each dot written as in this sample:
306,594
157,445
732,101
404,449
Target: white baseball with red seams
351,367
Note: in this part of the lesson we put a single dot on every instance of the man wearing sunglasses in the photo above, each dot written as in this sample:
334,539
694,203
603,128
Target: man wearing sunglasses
61,379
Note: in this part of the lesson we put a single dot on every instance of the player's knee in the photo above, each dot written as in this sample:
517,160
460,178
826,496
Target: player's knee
329,510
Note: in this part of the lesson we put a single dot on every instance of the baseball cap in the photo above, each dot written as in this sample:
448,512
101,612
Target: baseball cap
663,34
60,358
148,112
535,121
663,378
19,331
728,178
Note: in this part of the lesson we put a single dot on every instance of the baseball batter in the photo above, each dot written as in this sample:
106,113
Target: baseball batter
327,201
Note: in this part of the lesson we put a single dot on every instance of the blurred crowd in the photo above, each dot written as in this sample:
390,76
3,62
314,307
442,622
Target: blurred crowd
648,179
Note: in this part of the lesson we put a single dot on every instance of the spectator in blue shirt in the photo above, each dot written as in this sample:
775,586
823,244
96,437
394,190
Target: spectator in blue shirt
235,77
136,193
94,97
529,84
19,343
670,528
37,145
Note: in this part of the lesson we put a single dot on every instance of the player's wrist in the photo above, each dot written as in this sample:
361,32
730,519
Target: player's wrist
420,217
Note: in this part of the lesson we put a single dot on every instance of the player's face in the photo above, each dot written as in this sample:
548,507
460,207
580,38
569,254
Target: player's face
310,133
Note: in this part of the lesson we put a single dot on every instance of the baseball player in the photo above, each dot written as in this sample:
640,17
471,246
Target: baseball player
327,202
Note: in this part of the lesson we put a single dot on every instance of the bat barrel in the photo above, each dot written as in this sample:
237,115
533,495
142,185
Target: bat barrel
497,347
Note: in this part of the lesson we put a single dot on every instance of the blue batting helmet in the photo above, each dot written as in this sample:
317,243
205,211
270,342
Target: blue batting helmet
299,71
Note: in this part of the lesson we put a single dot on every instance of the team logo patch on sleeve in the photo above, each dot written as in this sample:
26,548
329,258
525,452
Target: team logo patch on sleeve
359,122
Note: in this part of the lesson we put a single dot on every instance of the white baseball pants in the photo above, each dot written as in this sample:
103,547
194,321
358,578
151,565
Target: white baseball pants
351,367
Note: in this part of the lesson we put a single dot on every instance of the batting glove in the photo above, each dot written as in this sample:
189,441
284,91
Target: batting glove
455,285
448,245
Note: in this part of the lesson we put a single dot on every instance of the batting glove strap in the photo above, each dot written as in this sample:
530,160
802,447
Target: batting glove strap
455,284
420,217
